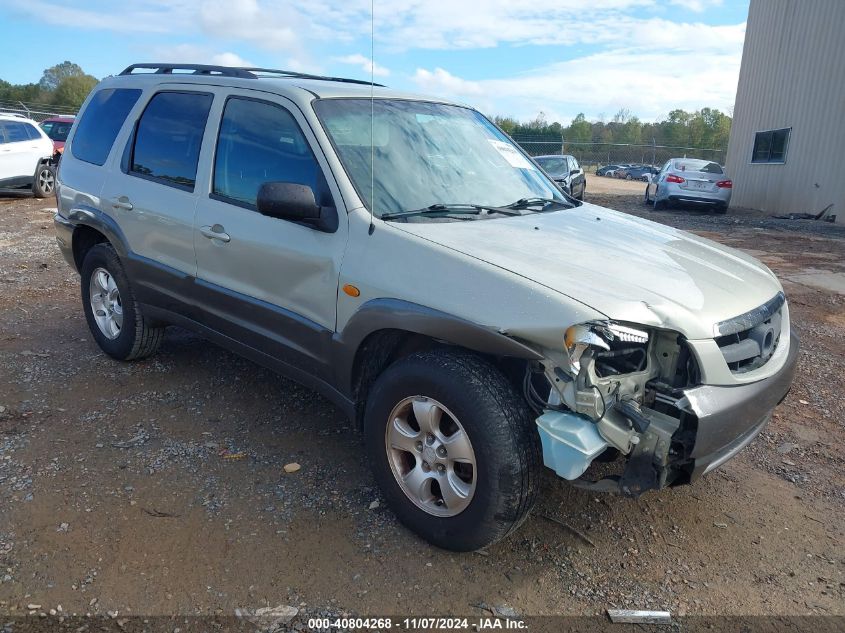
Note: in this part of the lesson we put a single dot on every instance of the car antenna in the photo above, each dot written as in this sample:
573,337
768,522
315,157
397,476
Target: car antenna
372,116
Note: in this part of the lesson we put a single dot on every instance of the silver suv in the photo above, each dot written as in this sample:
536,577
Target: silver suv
404,258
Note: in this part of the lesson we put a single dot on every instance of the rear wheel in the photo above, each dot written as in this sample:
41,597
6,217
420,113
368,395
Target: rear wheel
453,447
114,317
45,181
646,197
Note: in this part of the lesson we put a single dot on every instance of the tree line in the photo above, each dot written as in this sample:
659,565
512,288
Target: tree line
707,127
63,85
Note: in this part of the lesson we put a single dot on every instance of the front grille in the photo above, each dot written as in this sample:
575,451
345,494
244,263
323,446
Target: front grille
749,340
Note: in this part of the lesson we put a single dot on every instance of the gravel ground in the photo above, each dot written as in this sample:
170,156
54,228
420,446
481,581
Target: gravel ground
158,487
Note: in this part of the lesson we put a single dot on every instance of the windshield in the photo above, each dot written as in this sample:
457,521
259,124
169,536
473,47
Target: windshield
57,130
554,165
428,154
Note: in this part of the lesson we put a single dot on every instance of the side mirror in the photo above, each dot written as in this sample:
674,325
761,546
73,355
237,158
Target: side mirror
295,203
574,172
287,201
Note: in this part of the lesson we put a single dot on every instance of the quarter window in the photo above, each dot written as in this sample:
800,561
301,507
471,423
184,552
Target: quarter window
169,137
100,123
770,146
261,142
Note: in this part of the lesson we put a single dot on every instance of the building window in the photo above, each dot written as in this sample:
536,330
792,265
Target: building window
770,146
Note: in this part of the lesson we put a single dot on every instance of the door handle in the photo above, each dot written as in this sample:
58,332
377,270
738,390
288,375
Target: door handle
216,232
121,203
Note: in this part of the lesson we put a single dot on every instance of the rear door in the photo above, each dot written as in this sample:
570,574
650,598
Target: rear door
151,194
267,282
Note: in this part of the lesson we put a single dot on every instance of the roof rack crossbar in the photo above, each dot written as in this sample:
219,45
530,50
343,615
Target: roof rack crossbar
198,69
232,71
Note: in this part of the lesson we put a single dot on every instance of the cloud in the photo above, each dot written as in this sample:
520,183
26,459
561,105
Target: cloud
196,54
364,62
441,81
664,65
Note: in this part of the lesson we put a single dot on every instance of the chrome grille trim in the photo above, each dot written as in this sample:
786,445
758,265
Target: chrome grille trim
751,318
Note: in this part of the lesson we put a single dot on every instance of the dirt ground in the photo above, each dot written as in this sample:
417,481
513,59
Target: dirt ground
157,487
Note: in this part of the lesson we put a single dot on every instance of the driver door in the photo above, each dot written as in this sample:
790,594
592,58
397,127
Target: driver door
267,282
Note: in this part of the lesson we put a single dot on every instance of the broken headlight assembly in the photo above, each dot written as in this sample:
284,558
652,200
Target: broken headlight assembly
616,386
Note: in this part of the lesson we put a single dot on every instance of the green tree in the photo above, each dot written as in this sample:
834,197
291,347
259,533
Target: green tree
53,76
72,91
507,123
580,130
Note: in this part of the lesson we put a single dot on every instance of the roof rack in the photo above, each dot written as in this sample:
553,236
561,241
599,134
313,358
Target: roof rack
233,71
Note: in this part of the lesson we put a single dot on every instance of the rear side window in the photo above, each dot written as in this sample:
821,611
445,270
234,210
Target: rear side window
169,137
16,132
101,122
261,142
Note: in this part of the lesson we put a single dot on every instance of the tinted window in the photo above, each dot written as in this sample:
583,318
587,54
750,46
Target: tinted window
261,142
704,166
31,132
770,146
100,123
57,130
169,136
16,132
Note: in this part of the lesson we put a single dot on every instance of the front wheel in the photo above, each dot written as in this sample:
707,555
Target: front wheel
453,447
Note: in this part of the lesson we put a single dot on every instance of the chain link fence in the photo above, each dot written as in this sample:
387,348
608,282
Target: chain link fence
591,155
38,112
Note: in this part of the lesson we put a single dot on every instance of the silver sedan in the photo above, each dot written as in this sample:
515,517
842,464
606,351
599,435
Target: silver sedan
690,180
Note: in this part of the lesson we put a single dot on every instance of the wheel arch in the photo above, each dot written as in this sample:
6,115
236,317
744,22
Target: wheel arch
383,331
92,226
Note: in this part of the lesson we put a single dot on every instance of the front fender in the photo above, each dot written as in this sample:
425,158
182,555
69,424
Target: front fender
396,314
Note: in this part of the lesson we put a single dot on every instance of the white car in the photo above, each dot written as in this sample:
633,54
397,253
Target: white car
26,156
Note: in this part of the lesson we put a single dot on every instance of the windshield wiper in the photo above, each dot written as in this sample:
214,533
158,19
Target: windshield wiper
545,203
450,209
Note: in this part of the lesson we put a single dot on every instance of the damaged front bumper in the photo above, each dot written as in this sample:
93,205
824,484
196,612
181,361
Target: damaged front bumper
716,422
730,417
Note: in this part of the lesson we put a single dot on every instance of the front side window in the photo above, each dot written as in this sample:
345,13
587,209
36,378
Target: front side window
407,155
261,142
169,137
101,121
770,146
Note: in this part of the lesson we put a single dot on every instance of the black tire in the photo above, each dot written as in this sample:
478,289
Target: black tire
137,337
499,426
647,198
44,184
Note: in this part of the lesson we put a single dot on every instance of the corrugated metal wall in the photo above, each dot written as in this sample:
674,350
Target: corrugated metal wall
792,76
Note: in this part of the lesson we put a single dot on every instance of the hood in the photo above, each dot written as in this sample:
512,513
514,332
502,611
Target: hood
625,267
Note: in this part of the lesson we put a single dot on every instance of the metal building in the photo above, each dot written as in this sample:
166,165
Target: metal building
787,146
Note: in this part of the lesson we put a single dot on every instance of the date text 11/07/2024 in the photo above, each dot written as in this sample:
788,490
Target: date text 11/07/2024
415,624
